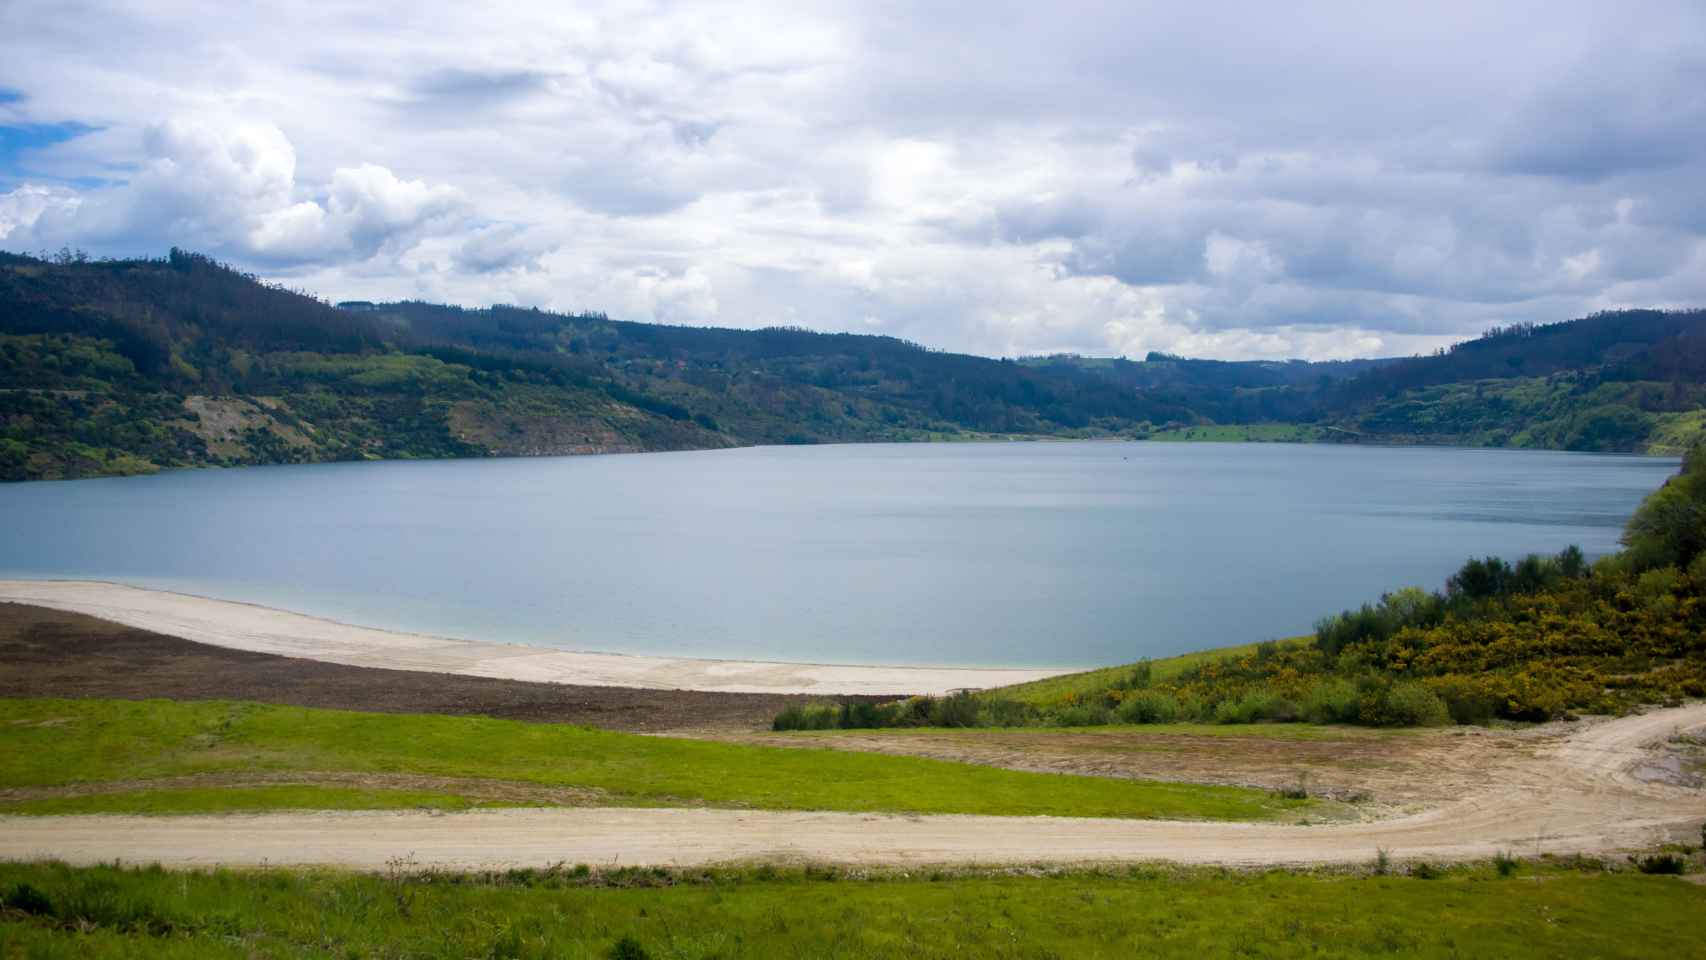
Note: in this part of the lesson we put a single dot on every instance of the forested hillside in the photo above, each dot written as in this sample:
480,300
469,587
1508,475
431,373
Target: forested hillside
1624,381
125,366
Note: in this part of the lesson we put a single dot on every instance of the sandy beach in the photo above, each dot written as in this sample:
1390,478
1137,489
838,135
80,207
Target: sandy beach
244,626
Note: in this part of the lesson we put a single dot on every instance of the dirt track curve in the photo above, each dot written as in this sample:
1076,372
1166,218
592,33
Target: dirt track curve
1576,796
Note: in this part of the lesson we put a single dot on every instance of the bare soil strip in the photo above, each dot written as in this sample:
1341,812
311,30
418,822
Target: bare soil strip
1576,795
1383,772
244,626
50,653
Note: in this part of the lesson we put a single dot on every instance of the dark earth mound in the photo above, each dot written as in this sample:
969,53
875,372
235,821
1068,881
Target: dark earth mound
49,653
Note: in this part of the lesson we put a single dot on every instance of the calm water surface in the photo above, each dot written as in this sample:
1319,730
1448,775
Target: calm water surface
998,554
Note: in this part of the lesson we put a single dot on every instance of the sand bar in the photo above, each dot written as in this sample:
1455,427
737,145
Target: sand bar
246,626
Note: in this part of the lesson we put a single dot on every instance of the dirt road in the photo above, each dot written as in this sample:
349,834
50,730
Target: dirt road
1575,796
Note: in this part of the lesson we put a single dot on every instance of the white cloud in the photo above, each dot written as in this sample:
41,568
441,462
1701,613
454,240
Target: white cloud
22,207
1004,178
232,190
1239,262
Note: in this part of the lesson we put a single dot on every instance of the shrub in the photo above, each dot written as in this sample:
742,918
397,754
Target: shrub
1278,709
1405,704
1255,706
1409,607
628,948
1505,864
812,716
1234,710
1334,634
956,710
1081,715
1466,700
863,716
1140,678
1656,589
1669,528
1664,863
1298,790
791,718
1333,700
1149,706
1697,570
1480,579
29,900
1191,707
998,712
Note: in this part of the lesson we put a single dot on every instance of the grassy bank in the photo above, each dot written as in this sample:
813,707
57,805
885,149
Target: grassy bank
53,910
100,756
1051,690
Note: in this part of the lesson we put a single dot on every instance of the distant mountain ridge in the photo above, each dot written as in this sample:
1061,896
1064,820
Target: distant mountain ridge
124,366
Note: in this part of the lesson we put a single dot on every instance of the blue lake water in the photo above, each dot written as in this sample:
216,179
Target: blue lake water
1045,554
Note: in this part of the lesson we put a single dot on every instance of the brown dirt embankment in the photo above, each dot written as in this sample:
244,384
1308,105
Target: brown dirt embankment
50,653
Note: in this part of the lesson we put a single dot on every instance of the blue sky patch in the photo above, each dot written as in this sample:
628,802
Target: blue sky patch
19,140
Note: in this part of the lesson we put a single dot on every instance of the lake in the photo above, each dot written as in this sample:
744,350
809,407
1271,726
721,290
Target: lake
1020,554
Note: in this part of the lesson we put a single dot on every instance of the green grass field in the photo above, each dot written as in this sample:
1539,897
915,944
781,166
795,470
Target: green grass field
78,745
245,799
1542,911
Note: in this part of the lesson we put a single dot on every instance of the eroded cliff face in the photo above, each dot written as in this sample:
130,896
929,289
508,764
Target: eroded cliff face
228,426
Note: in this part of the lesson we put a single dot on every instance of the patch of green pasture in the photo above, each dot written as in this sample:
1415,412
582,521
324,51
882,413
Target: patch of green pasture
239,800
59,742
1243,433
108,911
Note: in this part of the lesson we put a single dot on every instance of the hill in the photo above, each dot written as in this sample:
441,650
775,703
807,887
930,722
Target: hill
123,366
1628,381
126,366
1221,391
1625,381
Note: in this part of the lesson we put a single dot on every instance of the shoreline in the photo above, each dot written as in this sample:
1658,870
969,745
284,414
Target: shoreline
260,629
1391,444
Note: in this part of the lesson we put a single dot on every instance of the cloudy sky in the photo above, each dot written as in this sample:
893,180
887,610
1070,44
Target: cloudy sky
1217,179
